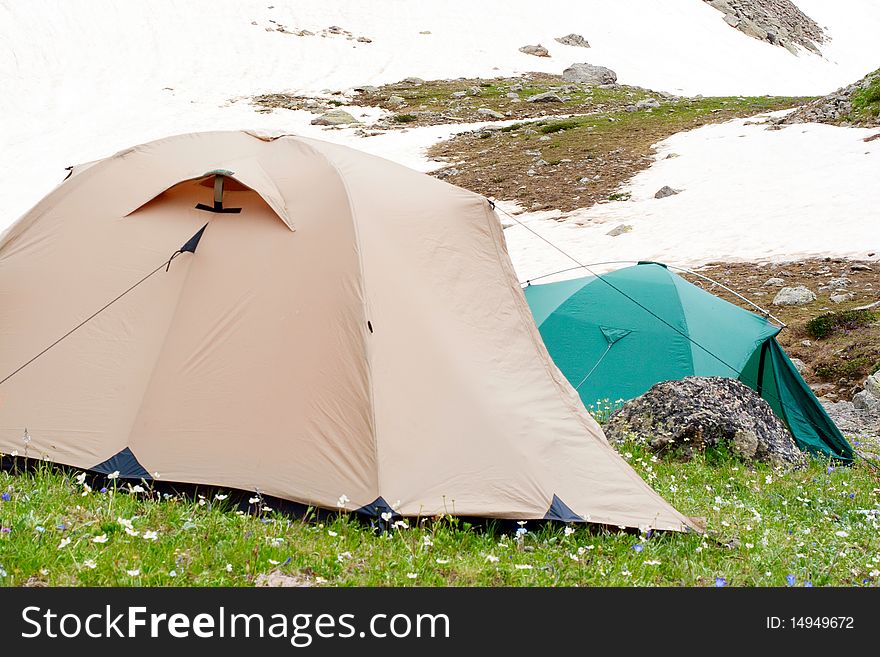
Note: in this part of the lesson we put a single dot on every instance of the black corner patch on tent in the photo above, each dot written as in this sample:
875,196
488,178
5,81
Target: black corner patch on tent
193,242
376,508
559,510
125,464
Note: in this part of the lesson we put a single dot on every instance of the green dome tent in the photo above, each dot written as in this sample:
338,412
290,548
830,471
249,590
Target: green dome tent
614,336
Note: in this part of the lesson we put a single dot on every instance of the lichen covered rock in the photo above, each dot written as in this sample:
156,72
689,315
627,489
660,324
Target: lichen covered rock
696,413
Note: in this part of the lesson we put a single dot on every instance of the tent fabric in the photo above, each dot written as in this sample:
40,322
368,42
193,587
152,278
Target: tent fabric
357,330
675,329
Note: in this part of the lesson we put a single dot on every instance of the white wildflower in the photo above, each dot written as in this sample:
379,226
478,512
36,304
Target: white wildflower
134,572
332,533
229,568
411,575
491,558
64,543
100,539
150,535
568,531
342,501
90,563
220,497
442,561
523,566
81,478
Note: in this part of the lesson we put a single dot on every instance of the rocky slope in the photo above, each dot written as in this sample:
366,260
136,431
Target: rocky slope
778,22
856,104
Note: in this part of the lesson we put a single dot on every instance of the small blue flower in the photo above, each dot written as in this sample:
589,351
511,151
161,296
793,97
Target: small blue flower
40,528
852,496
790,579
808,584
287,561
638,547
649,533
720,581
62,526
103,489
830,468
5,497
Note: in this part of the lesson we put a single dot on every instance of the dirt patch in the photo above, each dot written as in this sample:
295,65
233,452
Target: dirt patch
574,162
835,365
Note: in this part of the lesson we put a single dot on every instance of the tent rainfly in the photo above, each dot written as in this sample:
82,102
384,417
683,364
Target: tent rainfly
339,329
615,335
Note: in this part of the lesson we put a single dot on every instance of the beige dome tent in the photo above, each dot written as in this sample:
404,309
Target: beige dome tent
342,326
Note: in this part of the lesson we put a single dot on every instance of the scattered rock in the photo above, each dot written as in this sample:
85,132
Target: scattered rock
840,297
647,103
776,282
335,29
537,51
425,32
546,97
512,95
699,412
619,230
584,73
396,101
335,117
794,296
485,111
414,81
665,191
366,89
458,94
573,40
363,39
860,267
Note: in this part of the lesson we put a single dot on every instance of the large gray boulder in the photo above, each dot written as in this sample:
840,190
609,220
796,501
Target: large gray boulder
585,73
794,296
537,50
335,117
694,413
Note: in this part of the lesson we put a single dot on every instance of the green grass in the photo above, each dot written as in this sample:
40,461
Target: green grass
866,102
763,526
848,320
405,118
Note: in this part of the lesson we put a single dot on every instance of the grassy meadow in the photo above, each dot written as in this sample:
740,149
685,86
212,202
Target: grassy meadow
765,527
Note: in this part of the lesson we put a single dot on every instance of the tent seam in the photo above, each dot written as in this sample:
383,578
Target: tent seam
363,285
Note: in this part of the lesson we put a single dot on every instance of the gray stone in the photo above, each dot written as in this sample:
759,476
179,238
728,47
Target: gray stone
647,103
413,81
536,50
776,282
840,297
512,95
865,401
485,111
872,384
573,40
546,97
860,267
619,230
794,296
474,91
799,365
366,89
584,73
696,413
731,20
459,94
396,101
335,117
837,283
665,191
